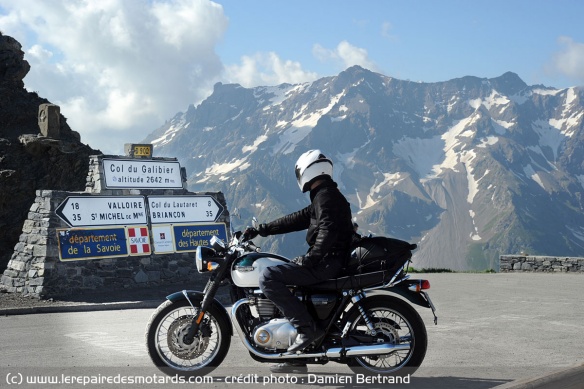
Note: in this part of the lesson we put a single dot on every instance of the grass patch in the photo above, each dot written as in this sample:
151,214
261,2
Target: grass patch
430,270
443,270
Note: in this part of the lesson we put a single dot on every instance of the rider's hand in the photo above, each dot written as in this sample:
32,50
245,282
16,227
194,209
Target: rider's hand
250,233
263,230
304,261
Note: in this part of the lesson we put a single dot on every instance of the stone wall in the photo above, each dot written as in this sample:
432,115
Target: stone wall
36,269
529,263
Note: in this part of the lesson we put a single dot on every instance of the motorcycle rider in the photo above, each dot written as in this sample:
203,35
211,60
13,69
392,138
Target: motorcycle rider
329,232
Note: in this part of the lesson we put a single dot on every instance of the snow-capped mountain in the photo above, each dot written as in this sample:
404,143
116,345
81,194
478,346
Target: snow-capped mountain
469,169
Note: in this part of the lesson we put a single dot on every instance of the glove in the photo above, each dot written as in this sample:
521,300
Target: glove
305,261
263,230
251,232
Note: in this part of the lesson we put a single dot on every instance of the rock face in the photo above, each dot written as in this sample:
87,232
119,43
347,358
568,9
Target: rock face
28,160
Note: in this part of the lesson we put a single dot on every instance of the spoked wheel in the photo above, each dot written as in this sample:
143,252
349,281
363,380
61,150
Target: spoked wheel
396,323
172,353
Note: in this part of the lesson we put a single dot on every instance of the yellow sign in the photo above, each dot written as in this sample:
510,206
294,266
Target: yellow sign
143,151
138,150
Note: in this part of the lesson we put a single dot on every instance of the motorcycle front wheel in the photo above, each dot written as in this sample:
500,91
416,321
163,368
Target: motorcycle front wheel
395,322
172,354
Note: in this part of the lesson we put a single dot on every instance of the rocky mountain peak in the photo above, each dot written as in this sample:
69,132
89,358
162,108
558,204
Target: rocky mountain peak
28,160
469,168
13,66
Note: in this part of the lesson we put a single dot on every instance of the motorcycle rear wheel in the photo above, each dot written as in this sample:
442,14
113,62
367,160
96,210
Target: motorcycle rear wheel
166,345
395,322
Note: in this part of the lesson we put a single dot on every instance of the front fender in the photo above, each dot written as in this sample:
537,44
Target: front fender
195,297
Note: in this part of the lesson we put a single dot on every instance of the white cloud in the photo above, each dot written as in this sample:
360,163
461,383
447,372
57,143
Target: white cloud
344,55
118,68
569,61
386,29
39,53
267,69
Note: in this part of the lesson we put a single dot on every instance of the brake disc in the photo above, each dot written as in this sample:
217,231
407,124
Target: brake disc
176,339
389,332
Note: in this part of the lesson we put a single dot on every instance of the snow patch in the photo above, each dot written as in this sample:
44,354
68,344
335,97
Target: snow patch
495,99
378,191
501,126
529,172
279,93
549,135
420,154
473,184
475,234
220,169
172,131
302,126
488,141
545,92
253,148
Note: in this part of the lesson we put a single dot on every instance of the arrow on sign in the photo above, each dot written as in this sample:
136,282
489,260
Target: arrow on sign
183,209
80,211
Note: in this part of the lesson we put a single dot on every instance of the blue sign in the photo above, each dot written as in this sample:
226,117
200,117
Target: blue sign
92,243
189,237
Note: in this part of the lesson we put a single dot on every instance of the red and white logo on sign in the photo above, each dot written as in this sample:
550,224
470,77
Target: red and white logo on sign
139,240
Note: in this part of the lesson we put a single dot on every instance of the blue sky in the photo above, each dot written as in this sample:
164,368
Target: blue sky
119,69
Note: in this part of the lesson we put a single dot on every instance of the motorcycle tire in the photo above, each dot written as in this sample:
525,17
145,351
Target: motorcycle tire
395,322
171,354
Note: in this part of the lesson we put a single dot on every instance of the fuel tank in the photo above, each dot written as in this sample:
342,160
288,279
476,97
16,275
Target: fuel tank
246,270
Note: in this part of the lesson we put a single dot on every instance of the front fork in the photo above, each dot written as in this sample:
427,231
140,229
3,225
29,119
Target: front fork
209,295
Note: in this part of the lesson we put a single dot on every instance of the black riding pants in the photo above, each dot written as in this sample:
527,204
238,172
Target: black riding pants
274,283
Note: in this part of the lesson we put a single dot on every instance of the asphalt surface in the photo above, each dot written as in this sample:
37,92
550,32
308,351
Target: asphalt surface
494,331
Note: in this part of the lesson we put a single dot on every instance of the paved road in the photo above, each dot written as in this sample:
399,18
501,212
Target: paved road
492,329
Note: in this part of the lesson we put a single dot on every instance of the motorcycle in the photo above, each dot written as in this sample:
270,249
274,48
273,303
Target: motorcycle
367,313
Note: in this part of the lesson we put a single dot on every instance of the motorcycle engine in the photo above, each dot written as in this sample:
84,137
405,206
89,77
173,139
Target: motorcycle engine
275,334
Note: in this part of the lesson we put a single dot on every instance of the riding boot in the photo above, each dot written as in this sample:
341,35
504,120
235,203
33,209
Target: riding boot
307,334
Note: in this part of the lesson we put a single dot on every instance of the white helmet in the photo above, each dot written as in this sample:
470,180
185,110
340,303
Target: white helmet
312,164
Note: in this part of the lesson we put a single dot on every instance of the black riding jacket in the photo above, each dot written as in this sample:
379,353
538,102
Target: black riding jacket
327,219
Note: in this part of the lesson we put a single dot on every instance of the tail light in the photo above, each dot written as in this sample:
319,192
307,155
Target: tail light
419,285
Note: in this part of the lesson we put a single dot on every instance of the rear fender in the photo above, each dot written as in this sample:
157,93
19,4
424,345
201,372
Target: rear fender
195,297
413,297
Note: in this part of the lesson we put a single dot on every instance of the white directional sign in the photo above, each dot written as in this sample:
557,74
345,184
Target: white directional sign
141,174
78,211
183,209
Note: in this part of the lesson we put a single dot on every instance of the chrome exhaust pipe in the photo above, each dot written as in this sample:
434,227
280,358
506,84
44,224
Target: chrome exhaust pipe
361,351
335,352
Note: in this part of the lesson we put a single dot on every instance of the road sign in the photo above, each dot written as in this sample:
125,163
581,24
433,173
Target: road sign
183,209
189,237
80,211
141,174
92,243
162,239
139,240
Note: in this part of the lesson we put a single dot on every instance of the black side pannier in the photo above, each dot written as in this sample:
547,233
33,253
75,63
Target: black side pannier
370,254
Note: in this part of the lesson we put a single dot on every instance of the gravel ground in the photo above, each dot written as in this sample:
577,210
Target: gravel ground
156,293
17,300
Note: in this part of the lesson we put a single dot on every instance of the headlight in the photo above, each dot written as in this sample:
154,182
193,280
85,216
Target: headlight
206,259
199,259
